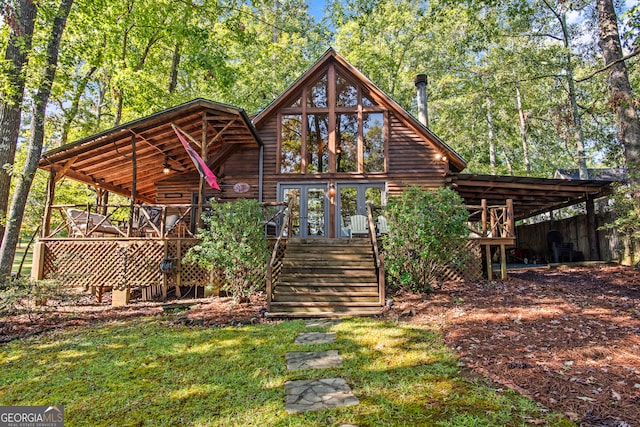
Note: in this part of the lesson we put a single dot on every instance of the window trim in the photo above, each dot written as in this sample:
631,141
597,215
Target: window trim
332,110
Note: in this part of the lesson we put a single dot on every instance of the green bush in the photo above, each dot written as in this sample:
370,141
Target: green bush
427,235
22,295
233,243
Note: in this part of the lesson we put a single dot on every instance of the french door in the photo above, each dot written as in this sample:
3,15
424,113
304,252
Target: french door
352,200
310,208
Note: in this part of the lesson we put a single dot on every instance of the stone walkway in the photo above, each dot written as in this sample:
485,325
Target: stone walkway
316,395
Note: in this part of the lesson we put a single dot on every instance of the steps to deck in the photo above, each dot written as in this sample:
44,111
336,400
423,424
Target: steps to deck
327,278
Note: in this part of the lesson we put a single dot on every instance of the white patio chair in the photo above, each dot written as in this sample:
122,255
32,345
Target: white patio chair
382,225
359,225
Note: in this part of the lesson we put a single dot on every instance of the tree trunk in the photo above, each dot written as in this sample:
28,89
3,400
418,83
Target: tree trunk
523,132
22,20
492,136
72,112
621,95
577,120
507,162
173,75
36,139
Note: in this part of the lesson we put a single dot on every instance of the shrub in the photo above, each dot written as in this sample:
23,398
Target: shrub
234,244
23,295
427,235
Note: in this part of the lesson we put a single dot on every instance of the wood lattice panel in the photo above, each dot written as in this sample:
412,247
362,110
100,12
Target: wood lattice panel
472,270
119,263
84,263
189,274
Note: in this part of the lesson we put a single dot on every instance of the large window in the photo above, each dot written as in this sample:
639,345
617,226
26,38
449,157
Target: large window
333,126
291,144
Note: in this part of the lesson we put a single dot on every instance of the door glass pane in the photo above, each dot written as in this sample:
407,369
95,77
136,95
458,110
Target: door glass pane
291,140
374,195
293,193
347,142
318,143
373,138
348,205
315,212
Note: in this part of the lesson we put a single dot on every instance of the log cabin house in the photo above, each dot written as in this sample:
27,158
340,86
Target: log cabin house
320,156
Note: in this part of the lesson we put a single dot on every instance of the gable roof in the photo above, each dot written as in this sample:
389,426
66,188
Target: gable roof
104,159
375,92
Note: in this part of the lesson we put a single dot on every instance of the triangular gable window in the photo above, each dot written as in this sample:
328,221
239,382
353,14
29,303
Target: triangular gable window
318,94
338,129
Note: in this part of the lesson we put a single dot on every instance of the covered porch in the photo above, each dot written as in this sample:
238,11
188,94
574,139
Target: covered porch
137,240
499,204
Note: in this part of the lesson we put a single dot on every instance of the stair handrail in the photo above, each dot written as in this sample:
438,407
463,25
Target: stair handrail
283,236
378,257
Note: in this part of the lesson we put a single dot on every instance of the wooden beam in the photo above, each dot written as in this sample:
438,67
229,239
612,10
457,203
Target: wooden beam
219,134
64,169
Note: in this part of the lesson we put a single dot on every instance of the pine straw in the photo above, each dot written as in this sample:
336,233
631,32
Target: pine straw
568,338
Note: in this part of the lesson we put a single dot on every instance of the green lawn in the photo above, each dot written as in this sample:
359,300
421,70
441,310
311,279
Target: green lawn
149,372
26,268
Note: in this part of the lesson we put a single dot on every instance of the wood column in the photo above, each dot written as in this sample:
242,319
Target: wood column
134,183
487,251
592,235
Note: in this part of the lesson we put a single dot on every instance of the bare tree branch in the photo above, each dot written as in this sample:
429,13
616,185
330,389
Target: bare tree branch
606,67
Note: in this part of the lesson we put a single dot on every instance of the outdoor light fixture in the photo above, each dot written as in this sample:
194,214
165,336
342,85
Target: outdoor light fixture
332,190
166,167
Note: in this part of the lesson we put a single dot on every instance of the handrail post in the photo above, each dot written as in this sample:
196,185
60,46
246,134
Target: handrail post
286,226
511,226
483,206
376,253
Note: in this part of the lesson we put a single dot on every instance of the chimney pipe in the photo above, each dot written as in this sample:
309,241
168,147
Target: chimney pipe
421,83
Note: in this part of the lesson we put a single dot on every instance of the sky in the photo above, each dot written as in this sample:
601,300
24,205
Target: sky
316,8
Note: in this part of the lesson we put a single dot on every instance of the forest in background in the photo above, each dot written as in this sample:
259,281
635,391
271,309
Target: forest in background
515,87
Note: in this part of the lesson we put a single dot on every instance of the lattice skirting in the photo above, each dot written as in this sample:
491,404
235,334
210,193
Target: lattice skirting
121,264
472,270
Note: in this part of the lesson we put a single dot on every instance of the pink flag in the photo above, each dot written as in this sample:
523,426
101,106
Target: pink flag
202,167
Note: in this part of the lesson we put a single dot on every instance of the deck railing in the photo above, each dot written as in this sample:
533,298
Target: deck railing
274,264
124,221
491,221
377,253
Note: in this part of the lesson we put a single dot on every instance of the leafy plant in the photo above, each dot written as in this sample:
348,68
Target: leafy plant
234,244
426,236
24,294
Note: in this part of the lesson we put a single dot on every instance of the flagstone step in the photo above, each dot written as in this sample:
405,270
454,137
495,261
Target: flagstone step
316,395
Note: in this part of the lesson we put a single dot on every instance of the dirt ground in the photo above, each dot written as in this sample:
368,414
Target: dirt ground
568,338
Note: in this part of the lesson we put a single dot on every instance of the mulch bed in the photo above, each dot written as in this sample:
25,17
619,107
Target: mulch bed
568,338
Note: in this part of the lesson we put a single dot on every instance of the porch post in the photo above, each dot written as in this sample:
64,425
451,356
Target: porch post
134,183
592,235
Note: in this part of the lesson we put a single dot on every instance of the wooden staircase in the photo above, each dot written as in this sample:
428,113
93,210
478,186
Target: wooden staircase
327,278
